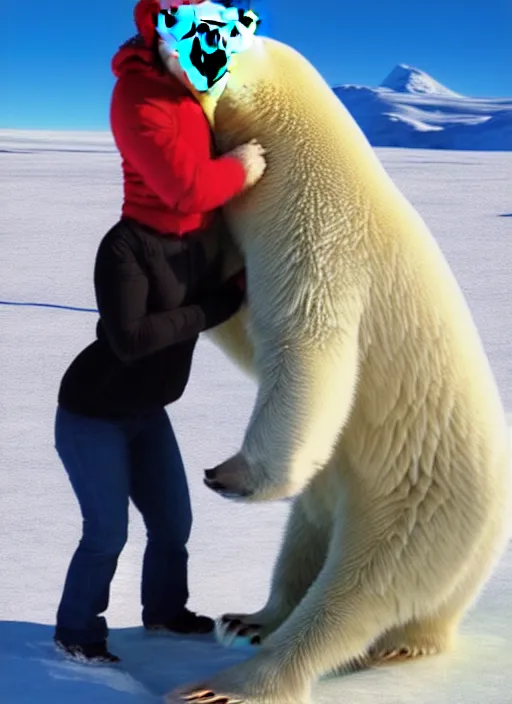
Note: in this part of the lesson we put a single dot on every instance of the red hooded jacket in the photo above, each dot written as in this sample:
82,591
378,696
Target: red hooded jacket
172,182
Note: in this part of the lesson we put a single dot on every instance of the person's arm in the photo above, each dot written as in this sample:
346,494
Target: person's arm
146,129
121,293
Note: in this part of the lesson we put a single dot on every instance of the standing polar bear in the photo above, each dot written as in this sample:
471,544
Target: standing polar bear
376,407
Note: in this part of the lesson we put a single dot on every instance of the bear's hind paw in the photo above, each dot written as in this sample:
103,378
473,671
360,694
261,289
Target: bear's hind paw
385,653
412,641
402,653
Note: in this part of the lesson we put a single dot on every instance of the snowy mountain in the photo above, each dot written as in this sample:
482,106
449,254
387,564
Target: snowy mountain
407,79
411,109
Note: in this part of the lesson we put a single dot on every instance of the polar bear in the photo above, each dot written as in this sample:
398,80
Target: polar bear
376,408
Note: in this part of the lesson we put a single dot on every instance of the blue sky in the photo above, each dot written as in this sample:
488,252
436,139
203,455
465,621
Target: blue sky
55,55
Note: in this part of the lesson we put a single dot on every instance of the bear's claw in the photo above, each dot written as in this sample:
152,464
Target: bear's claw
402,653
207,696
201,696
233,631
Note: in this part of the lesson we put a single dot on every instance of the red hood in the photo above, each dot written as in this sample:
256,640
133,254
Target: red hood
133,57
144,14
136,55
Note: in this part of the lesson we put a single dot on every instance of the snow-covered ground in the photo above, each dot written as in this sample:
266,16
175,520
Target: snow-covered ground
411,109
59,195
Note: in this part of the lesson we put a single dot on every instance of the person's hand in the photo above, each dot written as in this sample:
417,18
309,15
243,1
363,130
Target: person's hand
251,156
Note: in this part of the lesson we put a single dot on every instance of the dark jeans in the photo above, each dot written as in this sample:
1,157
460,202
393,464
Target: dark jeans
109,462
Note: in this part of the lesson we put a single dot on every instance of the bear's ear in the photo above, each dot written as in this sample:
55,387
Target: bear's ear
248,18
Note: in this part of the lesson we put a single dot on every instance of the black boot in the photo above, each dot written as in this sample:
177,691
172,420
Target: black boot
92,653
185,623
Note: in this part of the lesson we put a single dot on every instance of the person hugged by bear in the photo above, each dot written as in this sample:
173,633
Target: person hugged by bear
159,283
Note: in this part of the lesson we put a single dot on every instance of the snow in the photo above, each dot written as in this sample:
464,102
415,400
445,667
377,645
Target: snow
60,194
411,109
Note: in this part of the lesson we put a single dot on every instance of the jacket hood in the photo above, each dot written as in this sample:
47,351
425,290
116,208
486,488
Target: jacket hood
137,54
146,12
133,57
145,15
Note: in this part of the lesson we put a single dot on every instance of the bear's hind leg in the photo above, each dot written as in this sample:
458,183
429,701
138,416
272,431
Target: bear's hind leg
300,559
437,633
368,584
341,614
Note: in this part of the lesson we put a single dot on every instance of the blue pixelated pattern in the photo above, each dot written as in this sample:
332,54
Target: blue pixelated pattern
206,36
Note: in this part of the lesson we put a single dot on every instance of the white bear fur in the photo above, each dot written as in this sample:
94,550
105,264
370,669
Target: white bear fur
376,406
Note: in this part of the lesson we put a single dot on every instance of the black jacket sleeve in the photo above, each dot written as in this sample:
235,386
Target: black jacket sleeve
220,306
121,287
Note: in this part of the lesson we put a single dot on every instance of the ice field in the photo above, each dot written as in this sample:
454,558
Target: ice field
59,193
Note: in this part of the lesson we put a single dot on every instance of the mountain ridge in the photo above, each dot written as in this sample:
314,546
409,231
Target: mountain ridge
411,109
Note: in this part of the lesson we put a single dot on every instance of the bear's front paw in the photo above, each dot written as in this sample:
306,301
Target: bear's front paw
231,479
238,479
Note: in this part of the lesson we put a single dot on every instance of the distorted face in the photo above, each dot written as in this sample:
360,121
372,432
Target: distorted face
199,40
